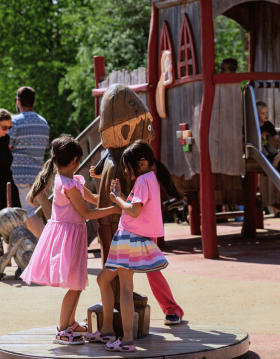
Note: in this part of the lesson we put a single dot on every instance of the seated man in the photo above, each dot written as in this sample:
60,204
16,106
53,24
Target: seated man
268,130
228,66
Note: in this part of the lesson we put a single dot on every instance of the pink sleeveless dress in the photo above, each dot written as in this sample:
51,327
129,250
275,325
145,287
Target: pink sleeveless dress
60,257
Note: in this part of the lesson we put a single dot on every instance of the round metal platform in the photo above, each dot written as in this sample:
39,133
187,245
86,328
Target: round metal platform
186,340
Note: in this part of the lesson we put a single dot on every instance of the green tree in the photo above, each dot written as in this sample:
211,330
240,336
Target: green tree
117,30
231,40
33,54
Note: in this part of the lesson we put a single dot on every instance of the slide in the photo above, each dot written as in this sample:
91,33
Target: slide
252,132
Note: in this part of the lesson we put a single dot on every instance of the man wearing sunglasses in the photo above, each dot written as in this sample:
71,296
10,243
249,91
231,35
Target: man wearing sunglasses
29,139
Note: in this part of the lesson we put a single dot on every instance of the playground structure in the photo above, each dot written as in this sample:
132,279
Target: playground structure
210,105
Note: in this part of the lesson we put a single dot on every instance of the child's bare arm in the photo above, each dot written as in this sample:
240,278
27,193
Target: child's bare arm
132,209
80,205
277,138
90,197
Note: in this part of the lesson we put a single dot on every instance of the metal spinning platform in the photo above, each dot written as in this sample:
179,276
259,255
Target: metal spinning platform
186,340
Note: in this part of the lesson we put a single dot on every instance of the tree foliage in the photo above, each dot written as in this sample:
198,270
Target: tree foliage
231,40
49,45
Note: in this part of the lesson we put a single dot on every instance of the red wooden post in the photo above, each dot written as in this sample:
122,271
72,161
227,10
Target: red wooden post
249,221
207,179
153,79
9,194
99,70
194,214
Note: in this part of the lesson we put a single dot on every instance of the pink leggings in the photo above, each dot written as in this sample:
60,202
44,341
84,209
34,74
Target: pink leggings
162,293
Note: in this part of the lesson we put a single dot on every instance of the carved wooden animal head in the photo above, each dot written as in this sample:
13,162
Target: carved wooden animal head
124,118
10,218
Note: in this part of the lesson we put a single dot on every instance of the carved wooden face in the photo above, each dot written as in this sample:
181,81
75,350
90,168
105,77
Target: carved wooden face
124,133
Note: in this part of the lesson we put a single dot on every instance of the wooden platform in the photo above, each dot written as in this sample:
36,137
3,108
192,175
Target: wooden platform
186,340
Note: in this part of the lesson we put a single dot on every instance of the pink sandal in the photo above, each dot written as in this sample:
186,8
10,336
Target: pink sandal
68,334
75,325
118,346
99,337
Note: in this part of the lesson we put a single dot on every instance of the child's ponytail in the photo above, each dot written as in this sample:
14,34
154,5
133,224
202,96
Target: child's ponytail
63,150
41,181
164,177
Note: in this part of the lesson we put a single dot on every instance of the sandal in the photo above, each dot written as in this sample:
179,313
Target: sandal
68,334
118,346
99,337
75,325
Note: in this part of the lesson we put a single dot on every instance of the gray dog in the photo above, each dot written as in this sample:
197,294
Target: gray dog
21,241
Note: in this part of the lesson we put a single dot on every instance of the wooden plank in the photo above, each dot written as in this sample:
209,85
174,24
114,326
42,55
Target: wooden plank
237,130
198,92
134,77
113,77
228,129
214,132
222,134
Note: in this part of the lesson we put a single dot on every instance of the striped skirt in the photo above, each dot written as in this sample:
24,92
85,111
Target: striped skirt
130,251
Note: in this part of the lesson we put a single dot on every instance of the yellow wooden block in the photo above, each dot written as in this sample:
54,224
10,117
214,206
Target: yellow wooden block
186,133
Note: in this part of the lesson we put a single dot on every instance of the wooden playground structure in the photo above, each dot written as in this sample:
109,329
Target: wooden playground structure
216,170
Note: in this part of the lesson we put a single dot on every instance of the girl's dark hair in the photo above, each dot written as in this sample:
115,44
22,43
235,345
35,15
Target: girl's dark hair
141,149
63,150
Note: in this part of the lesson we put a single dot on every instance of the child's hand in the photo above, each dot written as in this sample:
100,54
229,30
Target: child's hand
92,174
114,195
118,209
115,186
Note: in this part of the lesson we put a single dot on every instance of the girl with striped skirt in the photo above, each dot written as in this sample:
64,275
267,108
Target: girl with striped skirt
132,248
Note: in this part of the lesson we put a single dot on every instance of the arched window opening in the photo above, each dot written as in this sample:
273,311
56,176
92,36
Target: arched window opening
187,59
231,42
166,44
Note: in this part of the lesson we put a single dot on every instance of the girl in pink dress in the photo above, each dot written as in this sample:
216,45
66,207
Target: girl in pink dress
60,257
132,248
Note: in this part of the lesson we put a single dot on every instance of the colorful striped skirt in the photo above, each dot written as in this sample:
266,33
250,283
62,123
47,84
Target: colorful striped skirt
131,251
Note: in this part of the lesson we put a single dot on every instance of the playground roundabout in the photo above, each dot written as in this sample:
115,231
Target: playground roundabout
186,340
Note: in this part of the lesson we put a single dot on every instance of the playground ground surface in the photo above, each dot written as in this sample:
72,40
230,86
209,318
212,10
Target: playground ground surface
240,289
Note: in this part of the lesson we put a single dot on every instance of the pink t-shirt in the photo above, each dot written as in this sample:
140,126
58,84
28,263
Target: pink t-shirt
149,223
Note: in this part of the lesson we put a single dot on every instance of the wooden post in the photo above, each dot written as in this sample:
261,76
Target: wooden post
99,70
194,214
259,212
207,179
153,79
9,194
249,221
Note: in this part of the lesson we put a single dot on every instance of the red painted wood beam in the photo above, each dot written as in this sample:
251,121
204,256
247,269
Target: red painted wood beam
207,179
99,70
135,88
243,76
153,79
184,80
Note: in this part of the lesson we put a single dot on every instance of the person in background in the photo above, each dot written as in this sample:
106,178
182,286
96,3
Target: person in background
29,139
6,160
228,66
